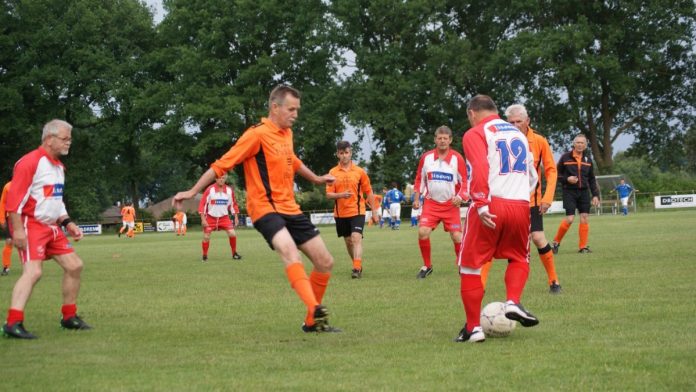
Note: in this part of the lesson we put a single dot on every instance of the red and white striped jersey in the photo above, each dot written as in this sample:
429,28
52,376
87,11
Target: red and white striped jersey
37,187
499,162
441,179
218,201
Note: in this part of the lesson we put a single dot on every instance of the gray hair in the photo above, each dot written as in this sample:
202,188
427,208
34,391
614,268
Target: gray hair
443,129
516,110
279,93
52,127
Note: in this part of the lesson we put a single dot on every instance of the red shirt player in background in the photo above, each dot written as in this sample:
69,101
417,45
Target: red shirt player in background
439,178
501,177
7,249
36,214
217,203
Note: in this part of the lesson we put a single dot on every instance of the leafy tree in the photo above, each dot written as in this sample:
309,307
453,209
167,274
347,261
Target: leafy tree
226,59
605,68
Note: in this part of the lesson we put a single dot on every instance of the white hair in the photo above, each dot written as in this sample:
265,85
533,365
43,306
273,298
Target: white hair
516,110
52,127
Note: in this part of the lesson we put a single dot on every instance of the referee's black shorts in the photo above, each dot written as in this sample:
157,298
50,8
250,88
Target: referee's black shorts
576,199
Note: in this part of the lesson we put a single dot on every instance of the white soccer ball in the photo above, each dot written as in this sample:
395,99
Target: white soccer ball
494,322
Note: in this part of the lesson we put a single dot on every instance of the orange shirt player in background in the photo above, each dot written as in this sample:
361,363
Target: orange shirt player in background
266,152
180,223
128,217
4,229
349,191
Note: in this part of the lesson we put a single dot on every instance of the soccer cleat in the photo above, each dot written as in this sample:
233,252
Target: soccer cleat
236,256
555,288
585,250
17,330
554,247
119,234
74,322
321,321
424,272
5,271
516,312
475,336
356,273
204,258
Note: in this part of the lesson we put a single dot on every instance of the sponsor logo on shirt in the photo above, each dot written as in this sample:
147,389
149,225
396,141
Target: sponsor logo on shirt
440,176
55,190
503,127
219,202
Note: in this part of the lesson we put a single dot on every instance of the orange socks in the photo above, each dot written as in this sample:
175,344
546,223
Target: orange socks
584,231
357,264
562,229
302,286
546,256
6,255
319,281
485,268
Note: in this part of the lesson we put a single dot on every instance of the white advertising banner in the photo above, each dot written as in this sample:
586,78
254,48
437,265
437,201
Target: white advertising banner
556,207
166,225
95,229
675,201
325,218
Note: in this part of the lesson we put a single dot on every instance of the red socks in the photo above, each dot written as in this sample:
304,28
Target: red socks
69,311
515,279
471,290
424,246
233,244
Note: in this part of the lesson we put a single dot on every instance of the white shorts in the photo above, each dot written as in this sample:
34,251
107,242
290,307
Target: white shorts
130,225
415,213
385,213
395,210
624,201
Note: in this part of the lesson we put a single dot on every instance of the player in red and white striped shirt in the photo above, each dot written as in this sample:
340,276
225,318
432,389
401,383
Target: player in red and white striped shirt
217,203
501,177
36,214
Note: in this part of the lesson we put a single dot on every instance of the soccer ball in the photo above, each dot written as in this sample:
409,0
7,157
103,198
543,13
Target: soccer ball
494,322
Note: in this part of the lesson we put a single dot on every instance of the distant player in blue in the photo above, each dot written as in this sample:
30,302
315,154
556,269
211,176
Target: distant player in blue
385,209
395,198
416,212
624,191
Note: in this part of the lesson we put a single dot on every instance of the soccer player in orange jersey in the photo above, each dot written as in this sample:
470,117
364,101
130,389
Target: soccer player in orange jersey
538,203
128,217
180,223
4,229
350,190
266,152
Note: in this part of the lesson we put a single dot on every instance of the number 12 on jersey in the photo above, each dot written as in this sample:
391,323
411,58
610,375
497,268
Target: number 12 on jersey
512,153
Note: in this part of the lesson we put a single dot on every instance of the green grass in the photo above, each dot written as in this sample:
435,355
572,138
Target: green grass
165,321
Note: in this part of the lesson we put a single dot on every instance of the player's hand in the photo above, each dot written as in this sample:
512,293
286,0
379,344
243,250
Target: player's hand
572,180
543,207
488,219
375,218
595,201
179,197
74,231
416,204
19,239
457,201
346,195
326,179
236,220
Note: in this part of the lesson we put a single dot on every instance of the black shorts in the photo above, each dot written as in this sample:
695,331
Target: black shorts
300,227
536,219
346,226
576,199
5,232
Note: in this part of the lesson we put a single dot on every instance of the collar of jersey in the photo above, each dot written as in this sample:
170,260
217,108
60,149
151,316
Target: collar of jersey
272,125
53,161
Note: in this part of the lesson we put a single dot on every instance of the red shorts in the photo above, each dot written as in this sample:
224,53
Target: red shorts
509,240
221,223
44,241
434,213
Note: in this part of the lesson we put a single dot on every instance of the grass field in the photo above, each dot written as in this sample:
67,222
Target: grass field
165,321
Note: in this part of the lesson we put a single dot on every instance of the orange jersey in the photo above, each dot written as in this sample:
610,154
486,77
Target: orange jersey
353,180
179,216
542,156
378,201
3,201
128,214
269,161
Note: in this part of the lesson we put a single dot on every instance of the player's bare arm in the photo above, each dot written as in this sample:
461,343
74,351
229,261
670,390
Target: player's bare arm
416,200
313,178
19,236
488,219
543,207
206,179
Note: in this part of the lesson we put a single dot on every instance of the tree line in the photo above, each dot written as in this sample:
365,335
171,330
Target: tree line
153,104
